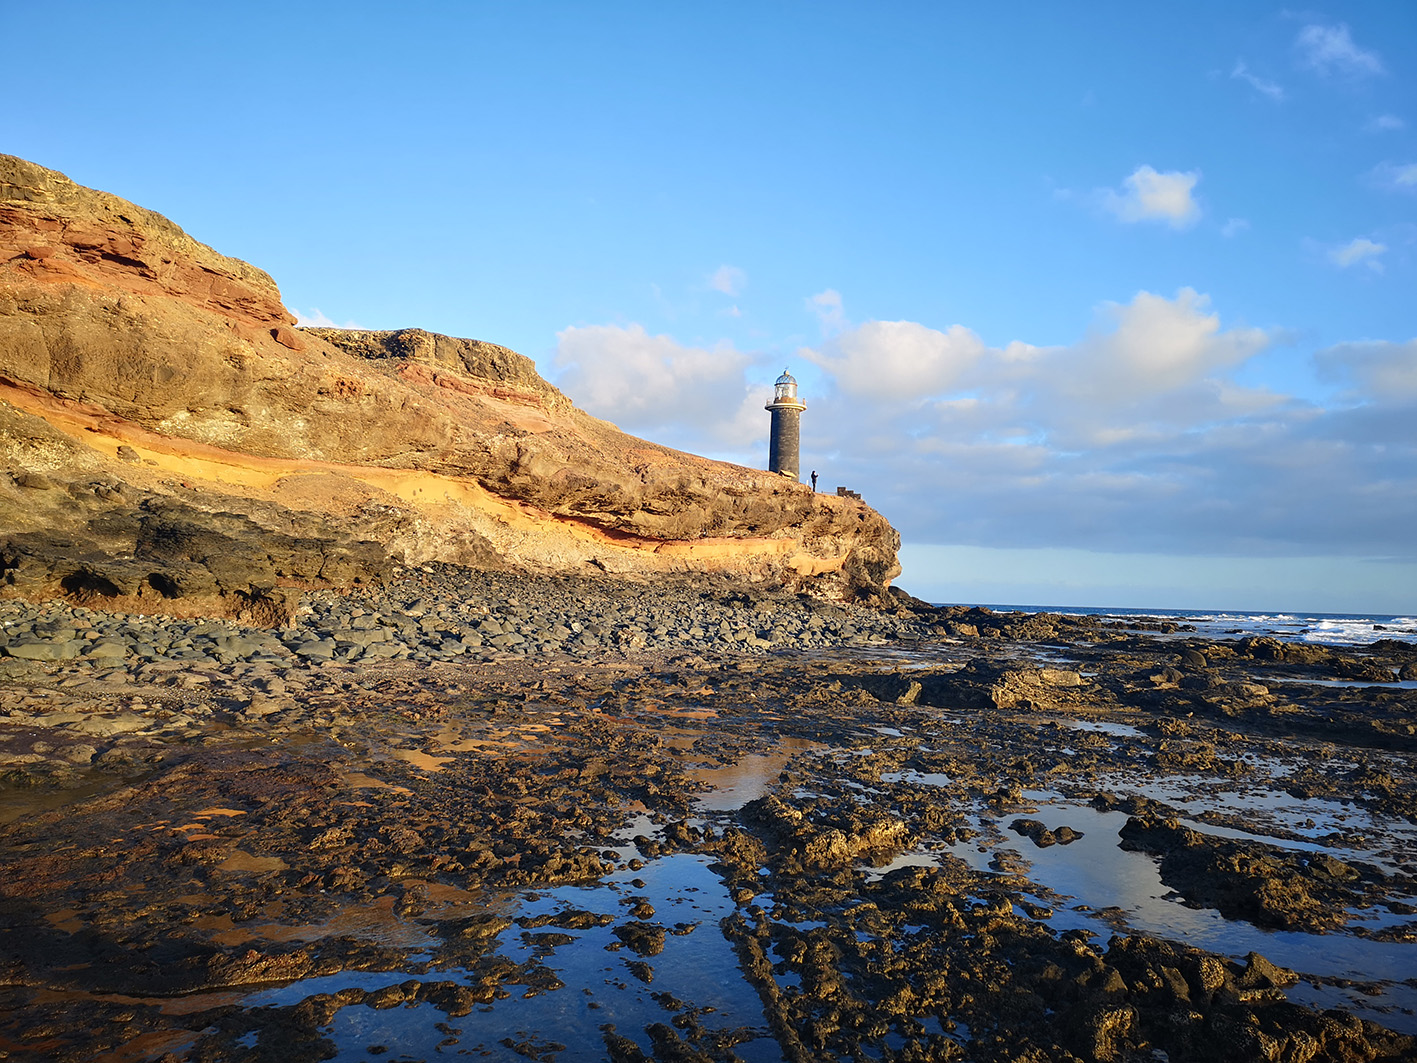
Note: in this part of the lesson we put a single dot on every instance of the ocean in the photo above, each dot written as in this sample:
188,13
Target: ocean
1330,629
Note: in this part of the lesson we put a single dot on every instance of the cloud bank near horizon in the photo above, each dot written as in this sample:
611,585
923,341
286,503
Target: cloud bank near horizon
1141,435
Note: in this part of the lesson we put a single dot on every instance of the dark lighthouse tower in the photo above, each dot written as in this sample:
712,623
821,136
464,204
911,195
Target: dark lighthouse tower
785,441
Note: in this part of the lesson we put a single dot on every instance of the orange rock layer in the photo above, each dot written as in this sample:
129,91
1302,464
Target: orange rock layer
131,355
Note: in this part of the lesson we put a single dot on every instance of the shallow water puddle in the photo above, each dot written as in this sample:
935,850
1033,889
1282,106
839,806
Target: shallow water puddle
1385,858
919,778
912,858
1095,873
733,785
375,923
148,1046
641,824
358,780
1118,730
249,862
1106,881
606,982
421,760
1349,825
1396,684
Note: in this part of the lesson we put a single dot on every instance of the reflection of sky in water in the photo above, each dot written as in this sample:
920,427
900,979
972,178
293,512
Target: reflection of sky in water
748,778
1272,766
1093,871
1121,730
1350,831
1404,684
699,967
919,778
914,858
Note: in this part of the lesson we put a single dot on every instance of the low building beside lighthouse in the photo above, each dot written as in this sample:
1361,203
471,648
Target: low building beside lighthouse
784,444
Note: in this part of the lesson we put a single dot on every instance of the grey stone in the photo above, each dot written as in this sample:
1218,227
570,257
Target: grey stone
107,648
239,646
55,632
322,649
65,650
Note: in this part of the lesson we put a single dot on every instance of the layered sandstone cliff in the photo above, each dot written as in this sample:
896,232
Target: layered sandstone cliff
174,443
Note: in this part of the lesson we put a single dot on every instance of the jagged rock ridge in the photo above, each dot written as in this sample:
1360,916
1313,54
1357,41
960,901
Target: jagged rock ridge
174,444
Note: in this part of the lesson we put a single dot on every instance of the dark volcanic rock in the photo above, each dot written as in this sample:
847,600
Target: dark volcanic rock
1270,887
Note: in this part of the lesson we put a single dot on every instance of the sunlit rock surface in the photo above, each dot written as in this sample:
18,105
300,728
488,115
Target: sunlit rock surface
173,443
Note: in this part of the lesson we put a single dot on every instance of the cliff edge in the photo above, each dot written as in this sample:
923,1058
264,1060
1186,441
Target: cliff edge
175,444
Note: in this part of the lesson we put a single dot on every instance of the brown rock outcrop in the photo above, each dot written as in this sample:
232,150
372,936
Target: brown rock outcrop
140,369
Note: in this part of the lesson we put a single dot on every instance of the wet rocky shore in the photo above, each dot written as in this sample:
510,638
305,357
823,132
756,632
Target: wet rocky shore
481,815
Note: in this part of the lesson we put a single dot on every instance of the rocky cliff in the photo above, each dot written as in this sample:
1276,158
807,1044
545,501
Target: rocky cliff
174,444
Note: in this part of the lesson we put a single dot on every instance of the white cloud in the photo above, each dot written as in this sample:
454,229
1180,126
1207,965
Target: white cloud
1359,249
644,382
1385,123
827,306
1234,227
1156,346
315,318
1266,88
730,280
1330,50
1154,359
898,360
1152,196
1397,177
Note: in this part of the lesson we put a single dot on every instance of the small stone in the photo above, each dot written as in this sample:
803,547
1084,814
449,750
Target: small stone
287,337
265,705
322,649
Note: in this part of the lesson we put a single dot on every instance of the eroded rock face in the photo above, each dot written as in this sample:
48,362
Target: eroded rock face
139,367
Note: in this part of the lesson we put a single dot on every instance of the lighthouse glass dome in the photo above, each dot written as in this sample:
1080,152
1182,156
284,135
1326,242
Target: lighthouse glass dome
786,388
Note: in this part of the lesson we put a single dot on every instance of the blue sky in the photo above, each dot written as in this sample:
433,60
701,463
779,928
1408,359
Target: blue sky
1106,304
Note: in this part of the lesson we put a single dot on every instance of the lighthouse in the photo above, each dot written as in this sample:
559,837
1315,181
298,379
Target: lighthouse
784,443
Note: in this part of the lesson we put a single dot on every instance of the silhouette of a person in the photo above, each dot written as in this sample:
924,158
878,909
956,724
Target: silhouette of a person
814,479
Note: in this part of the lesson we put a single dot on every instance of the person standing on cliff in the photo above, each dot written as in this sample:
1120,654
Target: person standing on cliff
814,479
